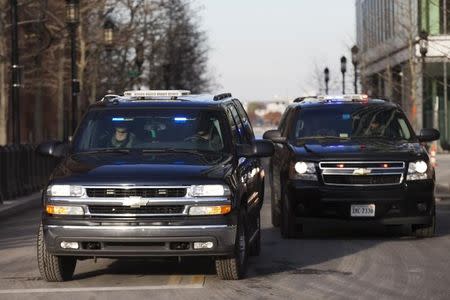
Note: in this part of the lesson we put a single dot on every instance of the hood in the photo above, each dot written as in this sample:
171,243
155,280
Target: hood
367,150
142,169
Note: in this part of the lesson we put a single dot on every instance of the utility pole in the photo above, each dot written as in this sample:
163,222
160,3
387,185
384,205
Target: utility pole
15,75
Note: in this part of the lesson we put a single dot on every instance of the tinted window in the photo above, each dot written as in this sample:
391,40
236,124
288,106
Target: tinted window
233,127
240,127
152,129
350,121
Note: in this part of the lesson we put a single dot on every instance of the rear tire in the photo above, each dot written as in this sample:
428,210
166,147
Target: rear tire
235,268
53,268
287,226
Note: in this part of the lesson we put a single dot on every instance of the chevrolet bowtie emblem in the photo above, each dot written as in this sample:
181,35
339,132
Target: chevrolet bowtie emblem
362,171
134,202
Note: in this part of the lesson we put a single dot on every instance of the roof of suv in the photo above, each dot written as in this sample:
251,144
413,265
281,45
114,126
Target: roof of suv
181,100
317,101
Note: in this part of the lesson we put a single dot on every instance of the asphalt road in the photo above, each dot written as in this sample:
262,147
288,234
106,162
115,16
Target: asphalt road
329,263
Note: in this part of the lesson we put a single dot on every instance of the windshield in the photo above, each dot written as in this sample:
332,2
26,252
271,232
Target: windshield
350,122
152,130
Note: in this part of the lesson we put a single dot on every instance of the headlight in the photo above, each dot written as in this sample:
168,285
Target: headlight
210,190
417,170
65,191
304,171
209,210
64,210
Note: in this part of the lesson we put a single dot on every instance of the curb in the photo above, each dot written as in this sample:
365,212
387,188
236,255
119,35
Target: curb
12,207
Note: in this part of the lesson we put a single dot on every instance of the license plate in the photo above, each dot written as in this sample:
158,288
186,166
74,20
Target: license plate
362,210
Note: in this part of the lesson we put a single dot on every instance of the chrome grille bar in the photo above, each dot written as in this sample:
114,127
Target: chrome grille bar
362,173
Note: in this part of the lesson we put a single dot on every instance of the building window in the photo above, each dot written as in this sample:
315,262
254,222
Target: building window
434,16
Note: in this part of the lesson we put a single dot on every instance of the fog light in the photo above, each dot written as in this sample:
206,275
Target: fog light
422,207
203,245
69,245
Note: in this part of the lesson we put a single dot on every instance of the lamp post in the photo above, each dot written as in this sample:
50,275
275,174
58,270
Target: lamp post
343,70
423,49
108,38
326,73
139,60
72,20
15,75
355,62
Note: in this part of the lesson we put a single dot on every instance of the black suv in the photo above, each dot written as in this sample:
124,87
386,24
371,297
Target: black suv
155,173
350,158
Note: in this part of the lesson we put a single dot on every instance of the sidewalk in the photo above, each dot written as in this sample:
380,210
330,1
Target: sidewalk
12,207
443,176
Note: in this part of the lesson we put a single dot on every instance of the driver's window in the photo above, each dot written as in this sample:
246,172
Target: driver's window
233,127
404,130
240,128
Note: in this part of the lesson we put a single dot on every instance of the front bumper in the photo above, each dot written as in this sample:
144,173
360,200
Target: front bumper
407,203
125,241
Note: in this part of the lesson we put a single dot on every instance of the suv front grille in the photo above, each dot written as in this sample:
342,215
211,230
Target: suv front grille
370,173
143,210
137,192
362,180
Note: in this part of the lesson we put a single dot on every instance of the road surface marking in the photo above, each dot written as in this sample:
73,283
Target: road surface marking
103,289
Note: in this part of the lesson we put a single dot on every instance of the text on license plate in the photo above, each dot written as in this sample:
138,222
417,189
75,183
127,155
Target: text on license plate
367,210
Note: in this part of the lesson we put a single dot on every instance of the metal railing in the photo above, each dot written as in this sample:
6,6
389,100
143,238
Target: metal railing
23,171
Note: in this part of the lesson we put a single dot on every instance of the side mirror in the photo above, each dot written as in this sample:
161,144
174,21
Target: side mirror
274,136
429,135
53,148
260,148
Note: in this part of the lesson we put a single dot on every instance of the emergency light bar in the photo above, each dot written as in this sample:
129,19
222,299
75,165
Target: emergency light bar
156,93
350,97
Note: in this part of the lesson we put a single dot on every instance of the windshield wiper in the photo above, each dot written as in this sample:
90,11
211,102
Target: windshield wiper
107,150
177,150
322,137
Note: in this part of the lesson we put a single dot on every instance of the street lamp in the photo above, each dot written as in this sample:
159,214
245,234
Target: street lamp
343,70
355,62
326,72
72,20
108,34
108,38
423,43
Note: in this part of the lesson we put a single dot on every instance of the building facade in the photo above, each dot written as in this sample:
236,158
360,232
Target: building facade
391,65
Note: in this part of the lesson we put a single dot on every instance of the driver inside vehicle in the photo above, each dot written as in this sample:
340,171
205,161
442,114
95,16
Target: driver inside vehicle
122,138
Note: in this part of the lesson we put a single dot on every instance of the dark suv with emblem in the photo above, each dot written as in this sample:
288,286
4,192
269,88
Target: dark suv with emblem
350,159
155,173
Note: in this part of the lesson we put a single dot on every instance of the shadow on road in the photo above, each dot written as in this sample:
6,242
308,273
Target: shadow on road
323,243
144,267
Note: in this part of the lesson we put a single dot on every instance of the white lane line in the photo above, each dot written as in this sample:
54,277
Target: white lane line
103,289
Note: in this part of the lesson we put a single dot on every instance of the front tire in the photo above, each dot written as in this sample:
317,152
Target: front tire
287,226
255,248
427,230
53,268
235,268
276,218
